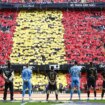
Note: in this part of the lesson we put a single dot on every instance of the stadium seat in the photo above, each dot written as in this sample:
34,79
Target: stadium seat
84,81
82,38
61,79
95,0
7,28
2,82
17,82
39,35
39,81
51,1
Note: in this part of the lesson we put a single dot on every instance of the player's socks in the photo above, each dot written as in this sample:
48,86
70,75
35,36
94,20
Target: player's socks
22,99
56,97
30,98
47,97
87,98
102,95
23,94
72,91
29,92
88,93
78,91
95,98
95,93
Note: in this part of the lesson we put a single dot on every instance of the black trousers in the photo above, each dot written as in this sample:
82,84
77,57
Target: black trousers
10,86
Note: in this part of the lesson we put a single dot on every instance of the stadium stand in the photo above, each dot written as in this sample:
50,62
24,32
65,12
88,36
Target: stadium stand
45,37
41,43
17,82
38,37
84,36
95,1
99,82
7,28
12,1
84,82
61,79
1,82
51,1
39,81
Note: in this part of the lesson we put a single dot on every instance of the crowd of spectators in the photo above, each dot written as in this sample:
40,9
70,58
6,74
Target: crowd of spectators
84,36
38,38
7,28
50,1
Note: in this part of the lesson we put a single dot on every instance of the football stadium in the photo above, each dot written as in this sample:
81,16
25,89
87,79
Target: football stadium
52,52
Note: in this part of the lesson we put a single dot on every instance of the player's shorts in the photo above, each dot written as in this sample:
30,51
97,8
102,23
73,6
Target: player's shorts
52,87
75,82
27,85
91,82
103,84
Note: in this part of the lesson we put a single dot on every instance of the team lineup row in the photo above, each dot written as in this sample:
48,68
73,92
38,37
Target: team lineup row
75,73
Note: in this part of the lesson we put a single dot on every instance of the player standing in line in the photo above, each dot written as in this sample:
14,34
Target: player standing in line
75,72
26,76
103,86
91,79
52,86
8,75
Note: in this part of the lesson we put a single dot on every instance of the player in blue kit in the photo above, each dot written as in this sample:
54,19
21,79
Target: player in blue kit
26,76
75,72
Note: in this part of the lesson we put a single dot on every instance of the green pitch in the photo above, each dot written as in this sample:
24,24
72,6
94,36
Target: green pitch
91,101
96,101
9,103
50,103
28,103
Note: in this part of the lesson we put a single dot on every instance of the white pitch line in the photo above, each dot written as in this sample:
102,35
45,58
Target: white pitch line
24,103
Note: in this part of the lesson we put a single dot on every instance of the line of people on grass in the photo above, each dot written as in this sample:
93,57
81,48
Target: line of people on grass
75,72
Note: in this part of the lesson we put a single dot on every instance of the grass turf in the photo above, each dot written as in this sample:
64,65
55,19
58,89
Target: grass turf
10,103
46,103
96,101
41,103
28,103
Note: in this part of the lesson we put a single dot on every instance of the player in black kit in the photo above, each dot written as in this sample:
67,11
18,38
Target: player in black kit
91,79
52,86
103,86
8,75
